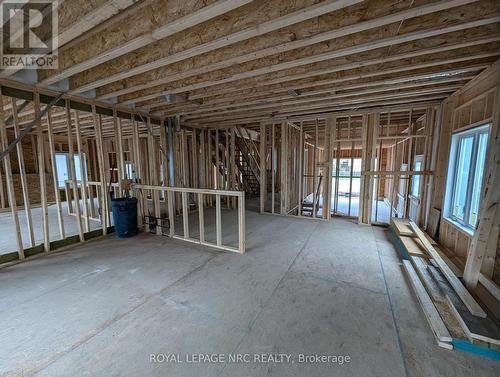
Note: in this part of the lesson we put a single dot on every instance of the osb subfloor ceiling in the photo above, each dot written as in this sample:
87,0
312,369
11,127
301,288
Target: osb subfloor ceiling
231,62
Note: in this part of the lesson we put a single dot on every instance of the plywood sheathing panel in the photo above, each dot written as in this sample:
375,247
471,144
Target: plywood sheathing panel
367,10
235,21
147,18
221,77
276,38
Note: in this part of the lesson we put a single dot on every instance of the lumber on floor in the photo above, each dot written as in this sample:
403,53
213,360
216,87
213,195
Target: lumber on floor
457,285
437,325
461,324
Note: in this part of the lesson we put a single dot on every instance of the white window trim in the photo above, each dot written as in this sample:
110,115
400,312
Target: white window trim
455,138
418,158
68,167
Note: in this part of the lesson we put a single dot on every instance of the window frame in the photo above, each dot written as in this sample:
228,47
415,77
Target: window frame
416,179
453,164
68,168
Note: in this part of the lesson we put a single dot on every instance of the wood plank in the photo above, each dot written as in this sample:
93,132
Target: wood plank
450,261
120,164
22,174
283,170
474,329
41,172
427,280
457,285
263,167
485,238
437,325
57,192
171,215
83,170
201,217
241,224
218,222
403,228
102,173
138,169
490,286
412,247
72,171
9,182
185,214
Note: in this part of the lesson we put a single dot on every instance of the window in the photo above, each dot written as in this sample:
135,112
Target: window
465,175
63,169
415,181
78,171
130,172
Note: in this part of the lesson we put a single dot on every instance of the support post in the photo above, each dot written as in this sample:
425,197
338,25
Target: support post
218,222
263,178
57,193
117,123
83,171
22,174
327,182
201,217
72,171
102,173
241,223
185,214
41,171
8,178
486,236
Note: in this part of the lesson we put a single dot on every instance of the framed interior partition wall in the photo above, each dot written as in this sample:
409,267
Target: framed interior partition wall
402,162
367,165
347,147
289,157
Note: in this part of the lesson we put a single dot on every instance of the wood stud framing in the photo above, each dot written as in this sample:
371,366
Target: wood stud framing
280,99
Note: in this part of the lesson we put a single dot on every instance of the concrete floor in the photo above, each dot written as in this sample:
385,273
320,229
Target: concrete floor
303,287
8,242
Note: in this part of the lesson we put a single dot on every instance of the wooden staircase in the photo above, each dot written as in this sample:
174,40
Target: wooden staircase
247,161
248,168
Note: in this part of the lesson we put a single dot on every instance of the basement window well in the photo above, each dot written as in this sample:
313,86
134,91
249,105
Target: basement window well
465,176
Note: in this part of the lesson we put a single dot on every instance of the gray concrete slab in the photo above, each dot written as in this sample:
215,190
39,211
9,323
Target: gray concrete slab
303,287
422,356
325,318
8,242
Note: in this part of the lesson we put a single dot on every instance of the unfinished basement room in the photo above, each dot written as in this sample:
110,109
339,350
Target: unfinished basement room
249,188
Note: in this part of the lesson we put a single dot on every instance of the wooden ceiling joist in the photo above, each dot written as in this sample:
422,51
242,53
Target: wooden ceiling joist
243,62
328,87
251,32
285,109
386,42
306,79
141,82
305,101
76,19
144,33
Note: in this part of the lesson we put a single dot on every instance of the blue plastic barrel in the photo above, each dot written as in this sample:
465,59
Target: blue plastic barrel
124,216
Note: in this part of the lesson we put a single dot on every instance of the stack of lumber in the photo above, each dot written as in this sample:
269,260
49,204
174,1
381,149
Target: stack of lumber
453,314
